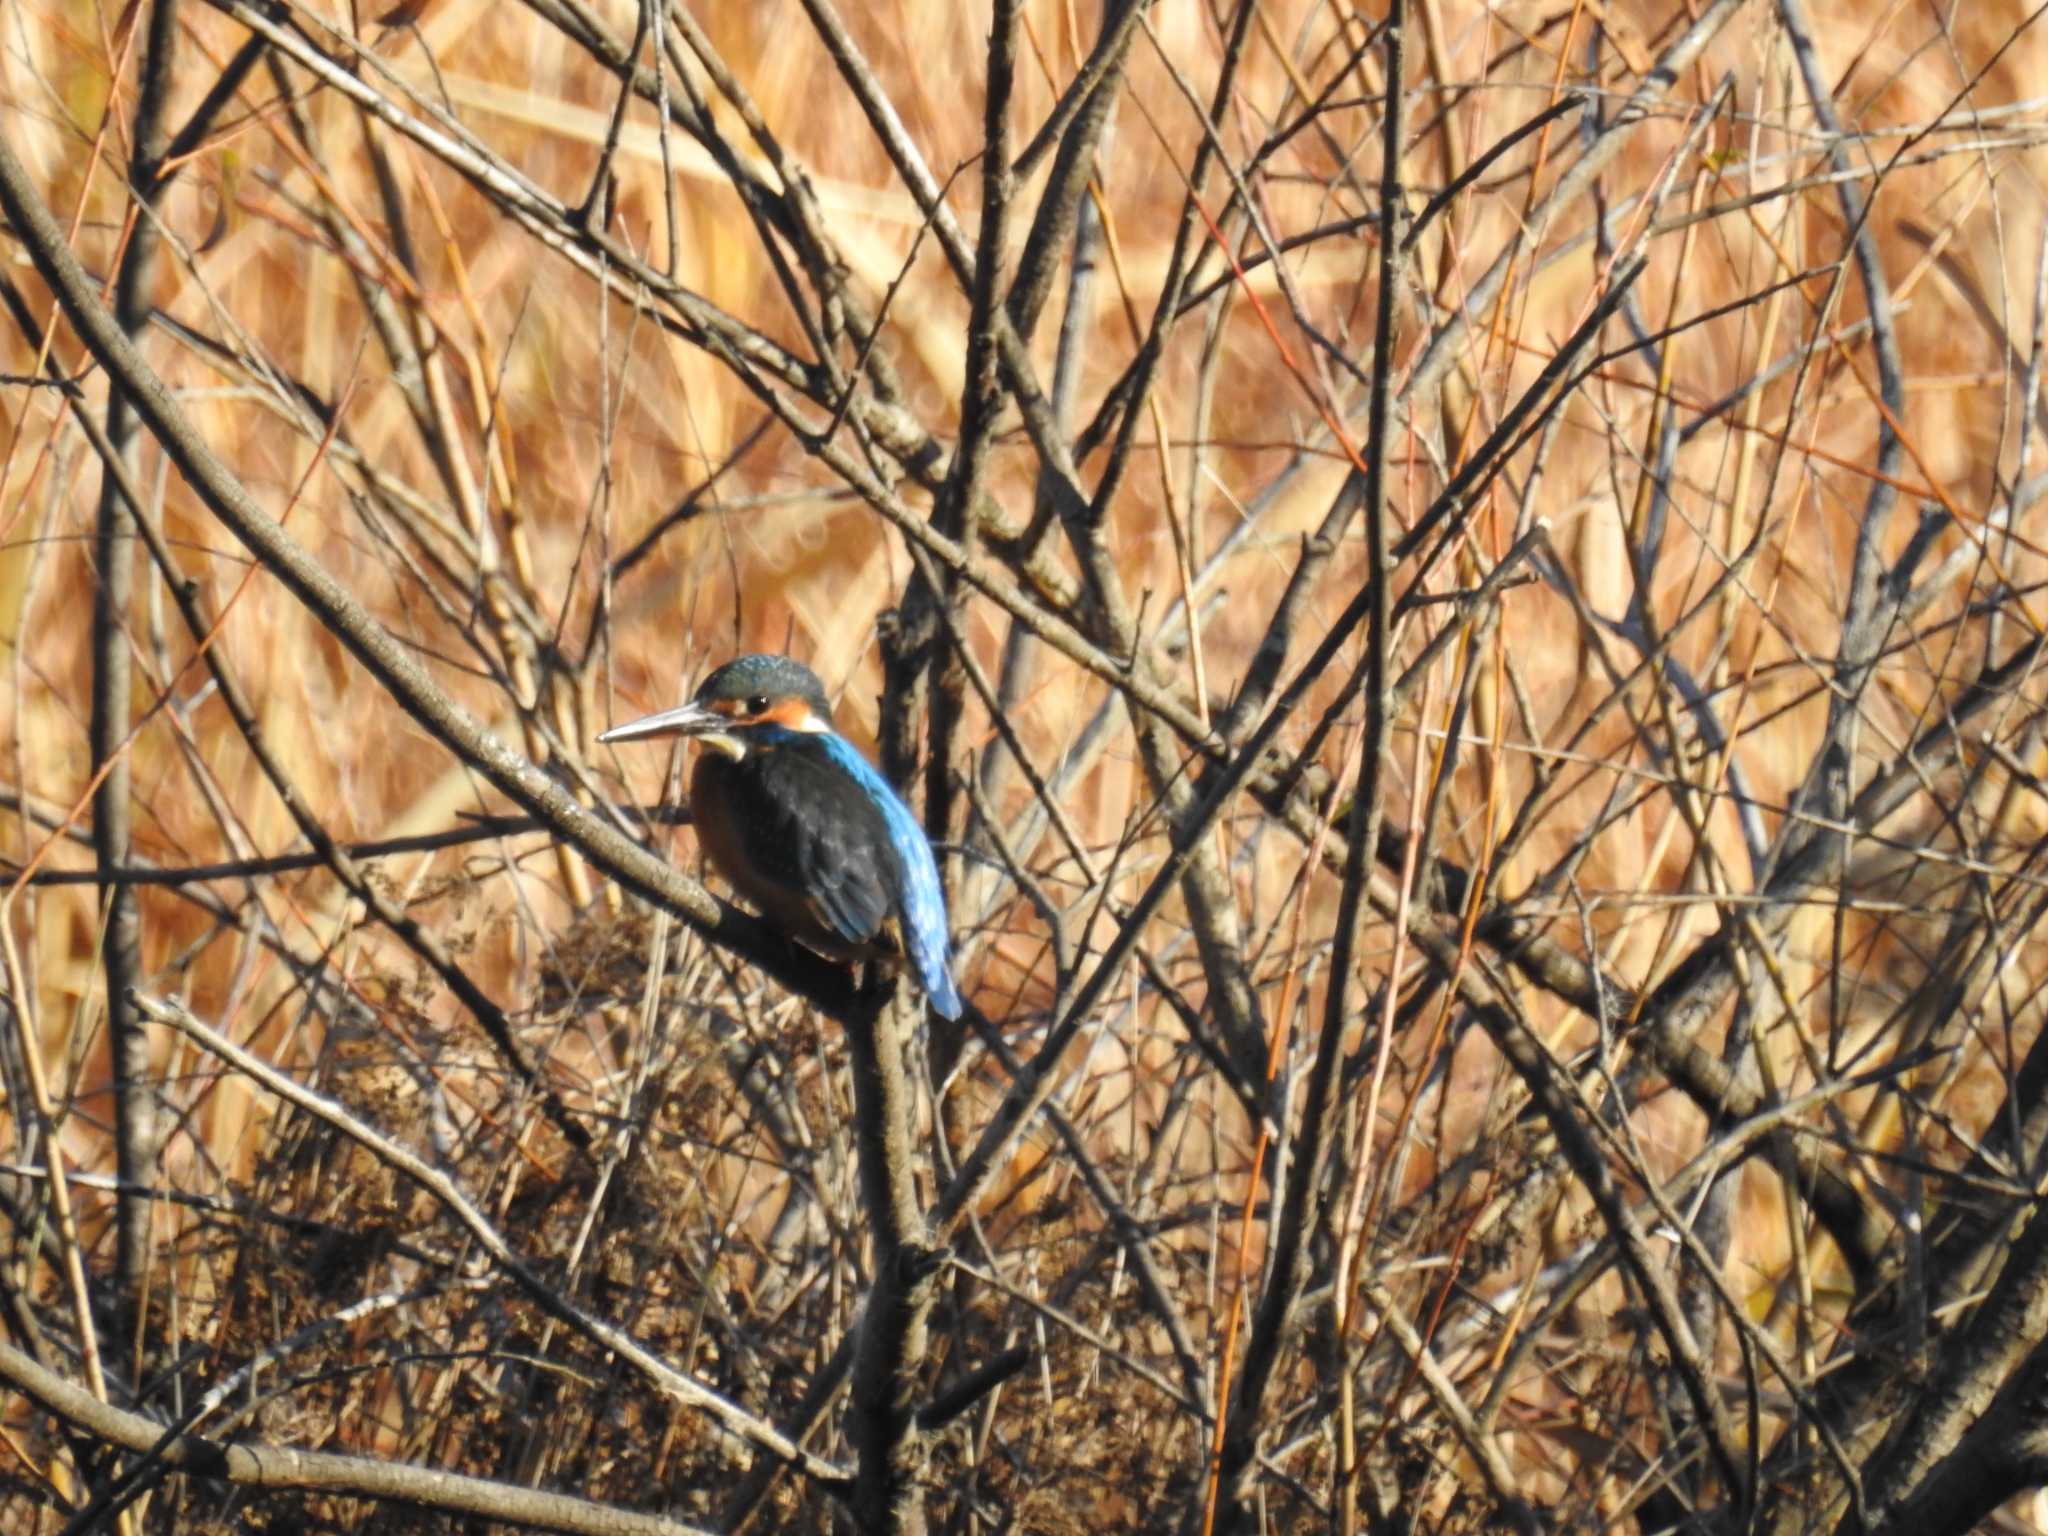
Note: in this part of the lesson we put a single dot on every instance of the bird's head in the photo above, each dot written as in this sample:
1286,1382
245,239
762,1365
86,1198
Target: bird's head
745,695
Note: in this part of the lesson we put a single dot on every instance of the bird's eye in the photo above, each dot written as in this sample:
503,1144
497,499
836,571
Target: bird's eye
758,704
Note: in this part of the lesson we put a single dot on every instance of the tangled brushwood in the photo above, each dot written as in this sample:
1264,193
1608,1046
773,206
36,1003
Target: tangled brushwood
1457,587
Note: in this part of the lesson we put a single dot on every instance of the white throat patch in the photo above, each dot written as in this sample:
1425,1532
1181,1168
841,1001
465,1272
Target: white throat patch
727,745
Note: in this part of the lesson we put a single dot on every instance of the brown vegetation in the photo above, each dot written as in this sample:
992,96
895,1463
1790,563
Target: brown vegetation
1544,1041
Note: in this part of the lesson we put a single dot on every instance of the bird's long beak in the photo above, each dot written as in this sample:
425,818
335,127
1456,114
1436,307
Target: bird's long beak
684,720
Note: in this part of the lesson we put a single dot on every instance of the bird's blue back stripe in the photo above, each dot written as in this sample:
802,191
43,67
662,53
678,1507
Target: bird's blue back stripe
924,902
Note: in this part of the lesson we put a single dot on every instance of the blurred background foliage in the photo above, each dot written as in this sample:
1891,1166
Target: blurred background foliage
570,495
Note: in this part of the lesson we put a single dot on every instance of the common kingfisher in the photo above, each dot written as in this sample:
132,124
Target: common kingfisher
802,824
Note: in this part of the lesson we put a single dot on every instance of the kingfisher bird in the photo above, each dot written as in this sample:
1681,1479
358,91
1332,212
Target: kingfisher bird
803,825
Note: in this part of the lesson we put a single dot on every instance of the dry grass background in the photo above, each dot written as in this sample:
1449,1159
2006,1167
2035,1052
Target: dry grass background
564,424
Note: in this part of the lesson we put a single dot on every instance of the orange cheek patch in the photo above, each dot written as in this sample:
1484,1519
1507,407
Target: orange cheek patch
788,712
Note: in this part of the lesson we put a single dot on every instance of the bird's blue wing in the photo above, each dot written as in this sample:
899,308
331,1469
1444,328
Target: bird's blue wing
925,931
801,839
